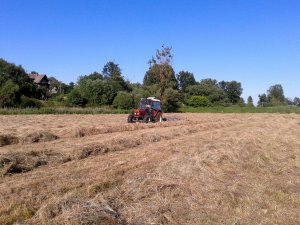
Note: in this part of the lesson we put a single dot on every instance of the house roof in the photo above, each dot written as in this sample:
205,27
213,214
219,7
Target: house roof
37,78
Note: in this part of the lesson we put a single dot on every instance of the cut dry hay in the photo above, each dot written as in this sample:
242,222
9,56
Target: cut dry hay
8,140
41,136
197,169
35,137
15,163
75,210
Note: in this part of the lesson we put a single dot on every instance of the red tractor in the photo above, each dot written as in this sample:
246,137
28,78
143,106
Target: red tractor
149,110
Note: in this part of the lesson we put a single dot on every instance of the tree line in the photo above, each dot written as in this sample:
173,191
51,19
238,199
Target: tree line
275,96
109,87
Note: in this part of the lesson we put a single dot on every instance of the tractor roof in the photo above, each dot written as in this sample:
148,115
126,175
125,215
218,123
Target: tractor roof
153,99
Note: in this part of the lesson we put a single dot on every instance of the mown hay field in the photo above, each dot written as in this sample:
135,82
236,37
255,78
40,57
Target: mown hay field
191,169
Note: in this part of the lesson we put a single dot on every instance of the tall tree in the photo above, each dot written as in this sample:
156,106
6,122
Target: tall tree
12,72
112,73
9,94
152,77
97,92
276,94
250,101
209,89
14,83
233,90
209,82
296,101
262,100
185,79
161,71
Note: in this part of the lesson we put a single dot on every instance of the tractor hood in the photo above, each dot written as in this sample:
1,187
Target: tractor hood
138,112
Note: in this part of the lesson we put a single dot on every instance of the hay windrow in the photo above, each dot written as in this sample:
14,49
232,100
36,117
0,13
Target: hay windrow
8,140
72,209
198,169
18,162
41,136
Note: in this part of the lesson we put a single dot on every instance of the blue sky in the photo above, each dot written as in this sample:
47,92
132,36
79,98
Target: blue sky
256,42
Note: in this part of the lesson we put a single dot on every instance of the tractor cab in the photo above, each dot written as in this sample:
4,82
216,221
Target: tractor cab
148,110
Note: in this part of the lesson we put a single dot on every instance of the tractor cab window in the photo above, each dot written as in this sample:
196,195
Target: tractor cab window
142,104
155,105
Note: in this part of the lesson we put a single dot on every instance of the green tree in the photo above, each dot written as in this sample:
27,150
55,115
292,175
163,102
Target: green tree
185,79
124,100
109,94
75,98
208,88
250,102
18,76
94,76
93,91
241,102
209,82
153,76
61,87
288,101
9,71
140,91
112,73
171,100
97,91
233,90
262,100
9,94
67,88
160,71
276,95
198,101
296,101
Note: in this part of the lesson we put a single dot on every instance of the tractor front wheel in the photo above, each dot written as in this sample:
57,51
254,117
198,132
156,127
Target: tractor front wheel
130,119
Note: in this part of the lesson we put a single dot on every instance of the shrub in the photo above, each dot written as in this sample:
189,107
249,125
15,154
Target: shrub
198,101
57,101
124,100
30,103
75,98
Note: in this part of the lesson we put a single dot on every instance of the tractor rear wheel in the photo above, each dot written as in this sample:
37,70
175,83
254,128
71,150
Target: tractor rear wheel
158,117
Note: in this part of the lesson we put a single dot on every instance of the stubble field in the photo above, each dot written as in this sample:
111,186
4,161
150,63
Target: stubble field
192,169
